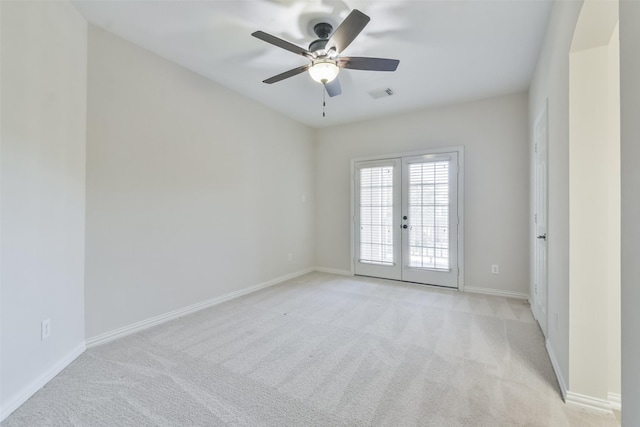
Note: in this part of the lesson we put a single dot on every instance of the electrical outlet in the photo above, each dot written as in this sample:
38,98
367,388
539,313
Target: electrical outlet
290,257
495,269
45,329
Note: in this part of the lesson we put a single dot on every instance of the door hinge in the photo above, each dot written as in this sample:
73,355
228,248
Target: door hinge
535,148
535,218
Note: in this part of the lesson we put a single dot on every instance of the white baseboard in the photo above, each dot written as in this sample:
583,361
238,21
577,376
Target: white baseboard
153,321
495,292
533,312
24,395
333,271
556,368
615,401
588,402
577,399
471,289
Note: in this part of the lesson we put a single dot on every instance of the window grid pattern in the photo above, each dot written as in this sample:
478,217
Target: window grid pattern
429,215
376,215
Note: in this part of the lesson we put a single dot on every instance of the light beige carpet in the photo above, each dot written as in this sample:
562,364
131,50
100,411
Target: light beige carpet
320,350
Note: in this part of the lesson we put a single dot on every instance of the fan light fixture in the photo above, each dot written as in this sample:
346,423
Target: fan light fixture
325,63
324,70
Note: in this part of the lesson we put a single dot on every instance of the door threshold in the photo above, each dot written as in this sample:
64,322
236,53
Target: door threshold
451,288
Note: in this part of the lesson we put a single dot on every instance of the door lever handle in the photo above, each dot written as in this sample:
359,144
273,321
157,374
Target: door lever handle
542,236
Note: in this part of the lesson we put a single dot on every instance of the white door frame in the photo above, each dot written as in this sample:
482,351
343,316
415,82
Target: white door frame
457,149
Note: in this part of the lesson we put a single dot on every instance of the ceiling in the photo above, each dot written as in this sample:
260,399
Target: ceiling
450,51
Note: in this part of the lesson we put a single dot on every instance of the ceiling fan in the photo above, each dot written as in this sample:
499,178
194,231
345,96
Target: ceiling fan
324,53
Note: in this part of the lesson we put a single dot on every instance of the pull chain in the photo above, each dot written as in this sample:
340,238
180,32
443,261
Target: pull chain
324,103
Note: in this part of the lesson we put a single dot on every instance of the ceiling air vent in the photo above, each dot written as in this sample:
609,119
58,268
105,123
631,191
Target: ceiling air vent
381,93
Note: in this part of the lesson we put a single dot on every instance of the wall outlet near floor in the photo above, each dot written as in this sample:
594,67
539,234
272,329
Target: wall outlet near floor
495,269
45,329
290,257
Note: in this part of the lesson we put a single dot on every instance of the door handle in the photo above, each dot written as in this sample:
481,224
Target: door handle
542,236
405,226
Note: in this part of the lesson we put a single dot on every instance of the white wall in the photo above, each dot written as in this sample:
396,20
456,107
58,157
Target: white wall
193,191
551,81
494,134
592,240
630,155
44,47
577,71
613,214
588,214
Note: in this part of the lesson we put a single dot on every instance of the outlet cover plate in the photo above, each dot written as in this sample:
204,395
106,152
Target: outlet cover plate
45,329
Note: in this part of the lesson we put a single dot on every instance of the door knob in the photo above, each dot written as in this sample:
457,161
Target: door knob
542,236
405,226
404,217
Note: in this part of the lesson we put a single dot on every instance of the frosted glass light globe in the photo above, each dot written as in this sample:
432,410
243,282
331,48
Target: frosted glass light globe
324,71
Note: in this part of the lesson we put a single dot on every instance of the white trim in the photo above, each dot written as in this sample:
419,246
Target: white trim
460,192
588,402
333,271
496,292
577,399
175,314
26,393
615,401
352,216
556,368
438,150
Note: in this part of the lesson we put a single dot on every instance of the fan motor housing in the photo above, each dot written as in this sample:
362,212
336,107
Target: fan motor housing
322,30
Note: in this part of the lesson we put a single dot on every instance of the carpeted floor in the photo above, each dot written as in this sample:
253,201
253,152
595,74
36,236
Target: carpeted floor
320,350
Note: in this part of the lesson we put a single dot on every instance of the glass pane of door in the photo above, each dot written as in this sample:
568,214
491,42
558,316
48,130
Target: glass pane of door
376,215
429,215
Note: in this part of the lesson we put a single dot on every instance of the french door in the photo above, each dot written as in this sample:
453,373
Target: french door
406,219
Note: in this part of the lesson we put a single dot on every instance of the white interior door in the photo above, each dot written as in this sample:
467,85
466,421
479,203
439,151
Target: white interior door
540,219
406,219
